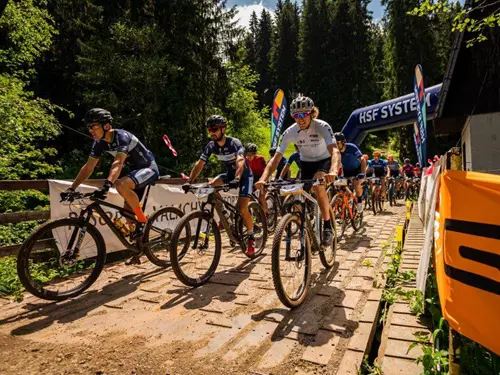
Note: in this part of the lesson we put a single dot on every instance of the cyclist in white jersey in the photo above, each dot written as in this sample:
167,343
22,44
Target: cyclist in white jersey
319,155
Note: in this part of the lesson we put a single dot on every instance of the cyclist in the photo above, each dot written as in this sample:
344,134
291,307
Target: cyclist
282,163
418,170
230,151
319,155
353,165
393,170
369,170
379,168
124,146
408,171
294,158
257,164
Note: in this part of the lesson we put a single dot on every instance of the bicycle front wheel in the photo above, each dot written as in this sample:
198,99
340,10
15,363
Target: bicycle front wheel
61,259
158,234
340,214
327,255
291,261
199,235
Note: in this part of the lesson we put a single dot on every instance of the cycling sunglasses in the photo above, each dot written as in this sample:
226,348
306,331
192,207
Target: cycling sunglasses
213,129
301,115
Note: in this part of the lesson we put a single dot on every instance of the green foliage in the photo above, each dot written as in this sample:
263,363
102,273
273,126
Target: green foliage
16,233
23,200
476,359
367,369
28,124
9,282
29,29
462,20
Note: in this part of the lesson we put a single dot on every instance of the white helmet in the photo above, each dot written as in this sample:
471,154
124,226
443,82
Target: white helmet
301,104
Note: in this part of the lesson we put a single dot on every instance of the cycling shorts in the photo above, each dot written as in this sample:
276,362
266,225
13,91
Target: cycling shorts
246,183
352,172
310,168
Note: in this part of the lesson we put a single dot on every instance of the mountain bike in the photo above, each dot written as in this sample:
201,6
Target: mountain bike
198,235
377,201
391,191
64,257
296,239
344,205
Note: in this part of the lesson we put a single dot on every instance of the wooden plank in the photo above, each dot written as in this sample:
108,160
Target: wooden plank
17,217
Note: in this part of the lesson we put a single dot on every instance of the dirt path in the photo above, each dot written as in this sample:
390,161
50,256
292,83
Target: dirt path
141,320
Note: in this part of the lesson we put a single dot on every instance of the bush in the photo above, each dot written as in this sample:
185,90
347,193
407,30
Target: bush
12,234
23,200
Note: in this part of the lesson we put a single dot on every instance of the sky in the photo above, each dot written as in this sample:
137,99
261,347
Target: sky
246,7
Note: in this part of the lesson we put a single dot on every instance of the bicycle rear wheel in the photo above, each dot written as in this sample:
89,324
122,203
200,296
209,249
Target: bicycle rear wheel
374,201
199,261
259,228
158,234
340,215
272,212
47,265
357,218
290,263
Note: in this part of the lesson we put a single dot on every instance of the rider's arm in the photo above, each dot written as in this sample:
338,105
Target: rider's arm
363,165
240,166
196,170
271,166
85,172
336,158
117,166
284,171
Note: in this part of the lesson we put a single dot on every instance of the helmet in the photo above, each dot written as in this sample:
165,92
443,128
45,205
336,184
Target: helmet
417,165
407,161
301,104
98,115
251,147
340,137
215,120
272,151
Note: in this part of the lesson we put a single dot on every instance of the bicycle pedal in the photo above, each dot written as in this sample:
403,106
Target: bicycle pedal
135,260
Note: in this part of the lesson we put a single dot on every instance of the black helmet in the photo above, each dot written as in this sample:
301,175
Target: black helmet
301,104
407,161
339,137
215,120
98,115
251,147
272,151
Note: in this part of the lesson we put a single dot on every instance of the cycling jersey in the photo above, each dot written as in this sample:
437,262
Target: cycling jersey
393,166
379,167
138,156
417,171
409,170
312,143
226,153
295,157
350,157
257,165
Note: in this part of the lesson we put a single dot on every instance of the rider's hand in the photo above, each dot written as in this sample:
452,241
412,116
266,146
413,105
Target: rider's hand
361,176
260,184
234,183
186,187
330,177
65,195
102,192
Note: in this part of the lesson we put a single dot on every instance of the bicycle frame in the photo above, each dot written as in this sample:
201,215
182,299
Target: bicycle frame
347,193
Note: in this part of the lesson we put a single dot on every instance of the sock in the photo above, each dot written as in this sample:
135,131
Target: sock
360,199
327,224
141,218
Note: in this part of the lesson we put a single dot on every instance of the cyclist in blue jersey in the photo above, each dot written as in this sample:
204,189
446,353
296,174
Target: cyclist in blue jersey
319,155
124,146
353,165
380,169
294,158
238,174
281,164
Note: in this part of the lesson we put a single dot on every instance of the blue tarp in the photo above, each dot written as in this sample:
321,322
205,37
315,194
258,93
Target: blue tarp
390,114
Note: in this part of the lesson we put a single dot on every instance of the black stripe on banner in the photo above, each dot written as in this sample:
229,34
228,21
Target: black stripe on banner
471,227
480,256
472,279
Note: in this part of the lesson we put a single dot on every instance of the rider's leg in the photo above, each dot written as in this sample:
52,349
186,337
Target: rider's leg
245,214
125,187
263,201
322,197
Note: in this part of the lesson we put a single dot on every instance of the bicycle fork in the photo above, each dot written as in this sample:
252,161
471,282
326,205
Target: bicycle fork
72,251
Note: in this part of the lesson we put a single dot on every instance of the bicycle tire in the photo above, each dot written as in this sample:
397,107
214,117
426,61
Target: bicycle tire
28,246
175,260
339,213
272,215
329,262
380,203
374,203
356,220
147,231
275,263
257,209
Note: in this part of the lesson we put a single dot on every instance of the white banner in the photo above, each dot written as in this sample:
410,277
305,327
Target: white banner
159,196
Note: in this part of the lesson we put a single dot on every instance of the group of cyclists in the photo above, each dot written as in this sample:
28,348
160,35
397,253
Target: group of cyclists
319,153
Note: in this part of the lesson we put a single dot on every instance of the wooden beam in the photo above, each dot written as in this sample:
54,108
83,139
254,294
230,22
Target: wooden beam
17,217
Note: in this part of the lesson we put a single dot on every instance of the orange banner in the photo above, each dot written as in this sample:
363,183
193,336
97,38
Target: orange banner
467,254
